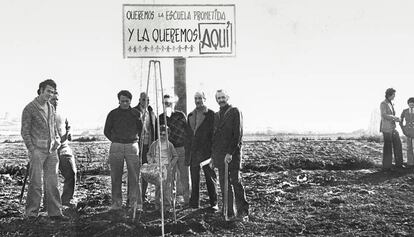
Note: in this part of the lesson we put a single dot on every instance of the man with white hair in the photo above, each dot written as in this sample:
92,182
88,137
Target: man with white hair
148,134
198,151
227,145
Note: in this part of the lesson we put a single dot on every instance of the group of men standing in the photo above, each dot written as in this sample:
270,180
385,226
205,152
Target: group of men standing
202,140
392,142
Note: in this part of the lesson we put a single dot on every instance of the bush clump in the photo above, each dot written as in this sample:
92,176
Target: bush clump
86,139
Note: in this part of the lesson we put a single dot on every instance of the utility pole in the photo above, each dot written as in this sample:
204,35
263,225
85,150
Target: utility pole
180,87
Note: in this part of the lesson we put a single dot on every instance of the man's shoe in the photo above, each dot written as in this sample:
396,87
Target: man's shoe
243,215
139,208
214,208
230,217
168,212
239,218
69,205
115,208
193,206
60,218
31,218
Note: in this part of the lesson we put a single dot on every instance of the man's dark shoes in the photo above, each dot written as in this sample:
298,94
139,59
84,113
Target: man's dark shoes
60,218
242,216
213,209
31,218
69,205
193,206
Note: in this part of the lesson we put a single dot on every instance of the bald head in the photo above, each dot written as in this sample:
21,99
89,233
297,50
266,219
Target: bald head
143,99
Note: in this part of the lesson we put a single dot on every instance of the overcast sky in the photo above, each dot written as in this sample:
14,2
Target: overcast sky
300,65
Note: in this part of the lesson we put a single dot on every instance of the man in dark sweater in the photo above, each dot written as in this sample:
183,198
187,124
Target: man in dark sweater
227,145
123,127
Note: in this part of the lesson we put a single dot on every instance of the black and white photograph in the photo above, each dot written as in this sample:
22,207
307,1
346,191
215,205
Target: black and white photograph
207,118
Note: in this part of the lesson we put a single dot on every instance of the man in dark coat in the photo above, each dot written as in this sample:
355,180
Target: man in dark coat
227,145
198,151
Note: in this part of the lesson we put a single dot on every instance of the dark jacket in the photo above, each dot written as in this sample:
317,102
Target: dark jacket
408,128
198,147
123,125
178,127
152,119
227,137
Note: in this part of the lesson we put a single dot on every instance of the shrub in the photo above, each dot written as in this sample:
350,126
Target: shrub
12,141
86,139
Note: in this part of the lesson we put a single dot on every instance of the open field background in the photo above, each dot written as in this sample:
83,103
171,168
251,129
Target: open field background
295,185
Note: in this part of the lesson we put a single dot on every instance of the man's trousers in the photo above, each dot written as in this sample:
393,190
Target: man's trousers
41,160
117,154
235,192
392,144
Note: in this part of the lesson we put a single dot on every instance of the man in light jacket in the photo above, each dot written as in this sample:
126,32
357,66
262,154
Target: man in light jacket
41,138
392,141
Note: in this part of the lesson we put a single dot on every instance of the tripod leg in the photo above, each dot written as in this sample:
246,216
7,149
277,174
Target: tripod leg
226,191
174,194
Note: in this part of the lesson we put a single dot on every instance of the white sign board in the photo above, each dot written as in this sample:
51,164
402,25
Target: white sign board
154,31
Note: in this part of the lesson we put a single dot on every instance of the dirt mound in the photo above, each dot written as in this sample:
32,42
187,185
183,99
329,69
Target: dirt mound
310,155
